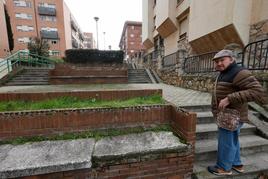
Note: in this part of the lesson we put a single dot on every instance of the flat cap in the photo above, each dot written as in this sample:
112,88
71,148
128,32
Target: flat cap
223,53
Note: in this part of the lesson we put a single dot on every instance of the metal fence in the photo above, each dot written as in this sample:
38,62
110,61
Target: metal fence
170,60
255,55
199,63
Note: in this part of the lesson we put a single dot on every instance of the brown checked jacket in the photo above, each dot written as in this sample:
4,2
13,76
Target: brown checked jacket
240,86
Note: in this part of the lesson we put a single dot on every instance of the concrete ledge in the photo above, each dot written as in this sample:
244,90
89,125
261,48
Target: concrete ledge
53,157
45,157
136,147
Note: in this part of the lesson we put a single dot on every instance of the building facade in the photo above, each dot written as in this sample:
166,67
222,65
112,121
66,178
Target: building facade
46,19
88,42
4,46
198,27
131,41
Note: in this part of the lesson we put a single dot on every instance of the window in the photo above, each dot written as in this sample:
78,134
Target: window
54,41
21,3
47,18
132,27
23,16
183,27
131,43
47,5
54,53
25,28
24,40
132,35
49,29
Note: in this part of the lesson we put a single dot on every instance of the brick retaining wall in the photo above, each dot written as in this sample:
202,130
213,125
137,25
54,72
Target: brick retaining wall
168,166
49,122
171,165
99,95
70,74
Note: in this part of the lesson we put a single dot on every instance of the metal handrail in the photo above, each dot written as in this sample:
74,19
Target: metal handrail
199,63
22,58
255,55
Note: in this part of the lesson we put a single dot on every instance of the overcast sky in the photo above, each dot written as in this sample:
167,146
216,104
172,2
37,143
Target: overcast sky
112,16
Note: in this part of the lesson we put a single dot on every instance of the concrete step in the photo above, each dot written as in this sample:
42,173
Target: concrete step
30,78
33,74
210,131
197,108
249,144
205,117
254,164
26,83
138,77
138,82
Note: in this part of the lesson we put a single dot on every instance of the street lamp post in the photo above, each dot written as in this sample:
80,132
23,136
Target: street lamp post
96,19
104,40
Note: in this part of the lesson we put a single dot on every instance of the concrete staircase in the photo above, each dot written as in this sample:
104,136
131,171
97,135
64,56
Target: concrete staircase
138,76
254,148
30,76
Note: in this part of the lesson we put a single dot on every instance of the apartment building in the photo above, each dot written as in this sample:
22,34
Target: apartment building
131,41
202,26
46,19
88,42
4,46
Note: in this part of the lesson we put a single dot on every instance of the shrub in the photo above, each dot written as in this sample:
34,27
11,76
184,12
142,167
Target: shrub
94,56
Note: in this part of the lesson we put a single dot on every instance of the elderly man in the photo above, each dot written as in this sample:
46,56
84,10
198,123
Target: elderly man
235,87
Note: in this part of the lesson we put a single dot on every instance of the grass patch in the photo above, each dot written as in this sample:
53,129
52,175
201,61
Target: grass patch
96,134
73,102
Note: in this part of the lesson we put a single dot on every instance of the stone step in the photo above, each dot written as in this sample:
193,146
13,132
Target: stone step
210,131
254,164
197,108
138,79
138,75
138,82
134,77
205,117
28,76
30,79
26,83
249,144
33,74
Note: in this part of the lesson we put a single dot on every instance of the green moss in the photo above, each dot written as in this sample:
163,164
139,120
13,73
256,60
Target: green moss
73,102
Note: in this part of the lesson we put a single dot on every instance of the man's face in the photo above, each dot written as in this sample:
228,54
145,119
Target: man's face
222,63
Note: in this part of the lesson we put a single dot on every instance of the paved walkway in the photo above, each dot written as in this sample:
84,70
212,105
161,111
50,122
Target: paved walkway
176,95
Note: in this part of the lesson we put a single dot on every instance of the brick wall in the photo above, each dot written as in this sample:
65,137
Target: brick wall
48,122
99,95
70,74
184,124
161,165
168,166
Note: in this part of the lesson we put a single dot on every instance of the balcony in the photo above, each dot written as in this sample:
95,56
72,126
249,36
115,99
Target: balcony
74,43
46,11
74,26
49,34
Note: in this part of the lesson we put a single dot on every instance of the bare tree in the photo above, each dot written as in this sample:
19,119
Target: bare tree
39,47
